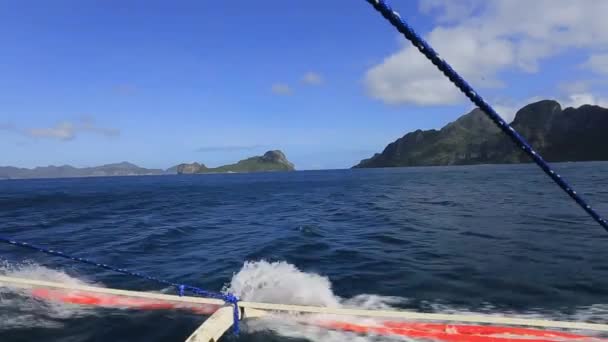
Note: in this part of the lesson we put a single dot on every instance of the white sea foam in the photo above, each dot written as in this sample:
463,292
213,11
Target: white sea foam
281,282
271,282
18,309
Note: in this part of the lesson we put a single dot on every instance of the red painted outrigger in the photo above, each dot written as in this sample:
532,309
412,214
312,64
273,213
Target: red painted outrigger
414,330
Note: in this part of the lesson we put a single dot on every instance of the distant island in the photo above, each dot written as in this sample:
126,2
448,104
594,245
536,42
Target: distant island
66,171
270,161
560,135
571,134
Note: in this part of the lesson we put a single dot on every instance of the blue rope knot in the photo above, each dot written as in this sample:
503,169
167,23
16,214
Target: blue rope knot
229,298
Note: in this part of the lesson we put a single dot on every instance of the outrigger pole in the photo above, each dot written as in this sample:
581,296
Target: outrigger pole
214,327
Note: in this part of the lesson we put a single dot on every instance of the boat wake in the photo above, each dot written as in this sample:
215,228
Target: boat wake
281,282
18,309
259,281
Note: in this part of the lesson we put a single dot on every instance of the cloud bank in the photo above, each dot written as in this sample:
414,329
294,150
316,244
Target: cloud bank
481,39
64,131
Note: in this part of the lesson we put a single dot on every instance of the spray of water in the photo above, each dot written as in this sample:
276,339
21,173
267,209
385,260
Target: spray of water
281,282
18,309
271,282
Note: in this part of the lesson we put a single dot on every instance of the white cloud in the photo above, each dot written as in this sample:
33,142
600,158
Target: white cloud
450,10
312,78
87,124
579,99
281,89
482,38
598,63
579,86
61,131
68,130
579,92
407,77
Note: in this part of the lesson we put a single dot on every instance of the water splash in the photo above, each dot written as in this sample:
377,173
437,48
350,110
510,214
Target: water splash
18,309
281,282
271,282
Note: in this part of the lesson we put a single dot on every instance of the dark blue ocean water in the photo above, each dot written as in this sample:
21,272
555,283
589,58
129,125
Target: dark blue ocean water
472,238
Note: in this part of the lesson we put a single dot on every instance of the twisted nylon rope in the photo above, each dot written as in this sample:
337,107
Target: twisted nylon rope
228,297
395,19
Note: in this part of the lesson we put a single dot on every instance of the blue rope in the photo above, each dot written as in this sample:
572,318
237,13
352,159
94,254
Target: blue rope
227,298
395,19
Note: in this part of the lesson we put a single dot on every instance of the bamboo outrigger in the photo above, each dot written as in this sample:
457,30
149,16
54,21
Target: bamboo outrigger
222,319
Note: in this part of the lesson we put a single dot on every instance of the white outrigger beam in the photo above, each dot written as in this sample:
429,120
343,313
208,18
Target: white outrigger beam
216,325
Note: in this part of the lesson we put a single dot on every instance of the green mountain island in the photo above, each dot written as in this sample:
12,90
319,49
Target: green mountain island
571,134
68,171
270,161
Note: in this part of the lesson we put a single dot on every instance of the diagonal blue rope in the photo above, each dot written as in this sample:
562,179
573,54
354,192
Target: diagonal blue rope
395,19
228,297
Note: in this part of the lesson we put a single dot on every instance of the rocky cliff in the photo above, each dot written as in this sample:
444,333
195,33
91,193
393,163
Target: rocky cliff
270,161
571,134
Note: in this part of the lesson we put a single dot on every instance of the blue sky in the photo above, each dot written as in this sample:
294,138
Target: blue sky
158,83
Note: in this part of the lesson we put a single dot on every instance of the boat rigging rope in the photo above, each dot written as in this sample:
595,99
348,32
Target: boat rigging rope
181,288
395,19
